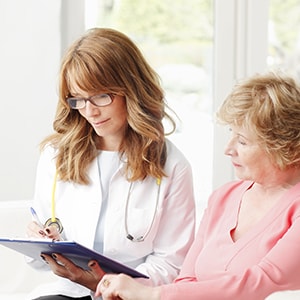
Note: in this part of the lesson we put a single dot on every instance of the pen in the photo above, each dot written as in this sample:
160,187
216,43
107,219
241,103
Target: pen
35,217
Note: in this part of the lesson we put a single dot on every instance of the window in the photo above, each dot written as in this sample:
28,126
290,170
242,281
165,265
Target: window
177,40
284,36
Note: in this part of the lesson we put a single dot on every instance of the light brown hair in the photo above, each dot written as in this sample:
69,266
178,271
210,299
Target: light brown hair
268,105
107,60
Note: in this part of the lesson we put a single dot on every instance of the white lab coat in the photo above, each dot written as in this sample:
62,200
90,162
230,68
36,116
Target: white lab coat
160,255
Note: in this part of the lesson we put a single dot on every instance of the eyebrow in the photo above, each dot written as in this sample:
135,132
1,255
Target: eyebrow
241,135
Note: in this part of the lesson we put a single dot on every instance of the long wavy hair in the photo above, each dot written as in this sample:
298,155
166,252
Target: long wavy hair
107,60
268,105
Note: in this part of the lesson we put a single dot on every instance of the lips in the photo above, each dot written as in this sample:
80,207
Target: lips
99,123
236,165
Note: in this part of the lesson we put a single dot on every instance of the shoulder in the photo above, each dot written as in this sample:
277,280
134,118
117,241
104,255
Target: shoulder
173,153
235,186
47,155
232,190
176,166
175,158
292,201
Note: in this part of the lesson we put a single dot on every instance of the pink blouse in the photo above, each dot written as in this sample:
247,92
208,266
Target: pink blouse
266,259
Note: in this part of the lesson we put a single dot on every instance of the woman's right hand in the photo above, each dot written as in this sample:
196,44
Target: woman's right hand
34,230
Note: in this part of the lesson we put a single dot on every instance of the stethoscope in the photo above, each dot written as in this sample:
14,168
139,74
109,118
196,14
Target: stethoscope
141,238
53,221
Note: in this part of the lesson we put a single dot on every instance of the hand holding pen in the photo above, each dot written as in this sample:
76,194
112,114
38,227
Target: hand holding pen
50,230
35,217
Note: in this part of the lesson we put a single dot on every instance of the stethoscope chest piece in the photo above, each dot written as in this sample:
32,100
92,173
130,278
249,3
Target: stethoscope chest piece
57,223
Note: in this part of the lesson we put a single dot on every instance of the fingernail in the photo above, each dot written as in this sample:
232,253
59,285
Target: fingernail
92,264
44,259
41,232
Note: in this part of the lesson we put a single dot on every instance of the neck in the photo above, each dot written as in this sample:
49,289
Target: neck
108,145
281,180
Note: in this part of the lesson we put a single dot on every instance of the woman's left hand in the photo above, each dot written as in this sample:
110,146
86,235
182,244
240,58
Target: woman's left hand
63,267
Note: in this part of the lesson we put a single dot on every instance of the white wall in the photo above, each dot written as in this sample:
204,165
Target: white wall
29,56
34,34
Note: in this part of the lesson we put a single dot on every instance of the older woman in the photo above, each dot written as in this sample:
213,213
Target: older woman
248,243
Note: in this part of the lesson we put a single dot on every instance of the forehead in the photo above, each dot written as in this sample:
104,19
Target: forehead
84,89
244,131
79,83
78,92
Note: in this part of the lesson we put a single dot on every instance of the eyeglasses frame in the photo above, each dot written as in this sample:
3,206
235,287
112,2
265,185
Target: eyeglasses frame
90,99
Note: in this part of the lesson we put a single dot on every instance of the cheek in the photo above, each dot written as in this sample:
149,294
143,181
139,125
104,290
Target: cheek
258,165
122,121
121,114
82,112
251,160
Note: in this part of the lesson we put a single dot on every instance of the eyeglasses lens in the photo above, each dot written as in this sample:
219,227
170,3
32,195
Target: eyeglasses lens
97,100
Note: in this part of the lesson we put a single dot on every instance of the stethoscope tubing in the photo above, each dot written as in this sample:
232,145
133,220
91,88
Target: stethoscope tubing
53,221
141,238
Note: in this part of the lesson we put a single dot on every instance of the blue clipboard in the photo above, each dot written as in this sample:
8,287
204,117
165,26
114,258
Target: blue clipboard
78,254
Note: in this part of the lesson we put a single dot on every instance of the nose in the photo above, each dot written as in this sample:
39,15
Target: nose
229,149
91,109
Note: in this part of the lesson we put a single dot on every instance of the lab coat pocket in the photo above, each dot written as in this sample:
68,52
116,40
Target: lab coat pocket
142,223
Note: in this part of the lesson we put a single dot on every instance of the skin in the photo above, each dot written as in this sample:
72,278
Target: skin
244,152
110,123
250,162
115,287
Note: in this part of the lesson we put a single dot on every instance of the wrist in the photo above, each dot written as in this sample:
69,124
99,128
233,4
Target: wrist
156,292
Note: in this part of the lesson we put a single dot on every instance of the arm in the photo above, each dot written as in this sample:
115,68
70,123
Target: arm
42,201
175,231
274,272
277,270
174,225
121,286
63,267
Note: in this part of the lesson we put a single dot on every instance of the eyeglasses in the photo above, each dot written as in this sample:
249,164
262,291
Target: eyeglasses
97,100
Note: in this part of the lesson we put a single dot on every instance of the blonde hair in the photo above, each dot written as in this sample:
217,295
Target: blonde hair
269,105
107,60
